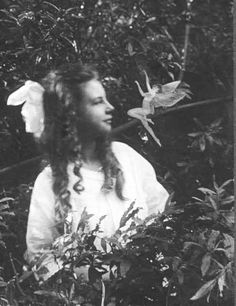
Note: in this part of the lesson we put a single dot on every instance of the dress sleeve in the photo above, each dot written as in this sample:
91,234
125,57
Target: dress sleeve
156,194
144,176
41,229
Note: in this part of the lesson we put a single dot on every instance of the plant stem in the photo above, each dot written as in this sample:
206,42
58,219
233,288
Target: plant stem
16,275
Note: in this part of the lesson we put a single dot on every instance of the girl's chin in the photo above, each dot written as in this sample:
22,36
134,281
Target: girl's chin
98,133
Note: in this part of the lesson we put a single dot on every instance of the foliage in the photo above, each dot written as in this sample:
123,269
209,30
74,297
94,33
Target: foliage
184,256
122,38
149,261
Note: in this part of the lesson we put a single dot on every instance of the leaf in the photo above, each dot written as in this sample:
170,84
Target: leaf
3,225
202,144
213,203
130,49
203,218
221,284
171,75
226,183
6,199
204,290
206,190
104,244
25,275
215,184
229,217
216,123
180,276
7,213
212,239
84,219
4,302
97,227
2,243
124,266
194,134
206,262
132,214
52,5
210,139
151,19
227,200
175,263
4,206
149,218
188,244
3,284
229,245
53,294
124,219
168,202
218,141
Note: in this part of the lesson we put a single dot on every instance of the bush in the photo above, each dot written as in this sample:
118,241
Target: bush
184,254
122,39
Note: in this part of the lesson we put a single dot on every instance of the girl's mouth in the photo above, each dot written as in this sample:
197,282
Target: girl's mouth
108,121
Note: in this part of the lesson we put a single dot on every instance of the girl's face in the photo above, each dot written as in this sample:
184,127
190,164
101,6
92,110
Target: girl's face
95,110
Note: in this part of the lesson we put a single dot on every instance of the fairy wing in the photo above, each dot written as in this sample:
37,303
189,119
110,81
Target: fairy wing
169,99
170,87
171,94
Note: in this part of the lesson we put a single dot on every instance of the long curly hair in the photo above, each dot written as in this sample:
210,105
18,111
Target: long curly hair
61,139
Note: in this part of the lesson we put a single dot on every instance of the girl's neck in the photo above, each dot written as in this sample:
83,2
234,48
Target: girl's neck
90,159
89,152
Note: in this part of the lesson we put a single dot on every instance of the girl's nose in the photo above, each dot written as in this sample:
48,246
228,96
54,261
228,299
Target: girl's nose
109,107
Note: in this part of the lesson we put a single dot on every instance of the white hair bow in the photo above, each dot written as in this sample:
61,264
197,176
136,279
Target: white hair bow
31,94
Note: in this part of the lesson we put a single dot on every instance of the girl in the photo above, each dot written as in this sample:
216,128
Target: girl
86,169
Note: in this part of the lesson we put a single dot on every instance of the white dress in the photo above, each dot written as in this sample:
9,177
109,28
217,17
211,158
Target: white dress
140,186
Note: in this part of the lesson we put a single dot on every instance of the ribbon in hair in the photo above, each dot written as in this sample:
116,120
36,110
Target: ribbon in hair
31,94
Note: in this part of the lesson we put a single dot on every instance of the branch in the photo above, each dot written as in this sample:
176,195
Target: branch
162,112
20,164
128,125
16,275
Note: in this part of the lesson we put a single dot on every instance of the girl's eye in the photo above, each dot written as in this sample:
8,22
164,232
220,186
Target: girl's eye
100,101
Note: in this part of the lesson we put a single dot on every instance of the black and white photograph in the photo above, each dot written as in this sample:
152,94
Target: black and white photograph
117,153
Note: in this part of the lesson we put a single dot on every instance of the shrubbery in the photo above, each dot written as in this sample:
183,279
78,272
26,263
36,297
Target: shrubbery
176,258
184,256
122,39
167,259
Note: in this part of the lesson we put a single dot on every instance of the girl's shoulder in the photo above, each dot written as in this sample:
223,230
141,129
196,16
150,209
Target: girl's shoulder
131,158
43,186
122,148
124,151
44,177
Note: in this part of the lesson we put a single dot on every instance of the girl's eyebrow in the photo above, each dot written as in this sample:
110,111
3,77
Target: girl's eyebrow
99,98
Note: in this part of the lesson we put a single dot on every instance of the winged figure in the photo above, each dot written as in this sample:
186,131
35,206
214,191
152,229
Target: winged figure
158,96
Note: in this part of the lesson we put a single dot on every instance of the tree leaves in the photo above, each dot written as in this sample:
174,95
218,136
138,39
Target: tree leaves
204,290
206,261
53,294
128,214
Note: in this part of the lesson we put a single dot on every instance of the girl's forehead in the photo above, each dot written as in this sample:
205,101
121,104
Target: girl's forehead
93,89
